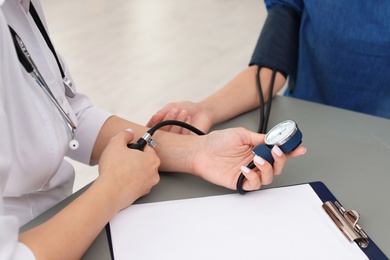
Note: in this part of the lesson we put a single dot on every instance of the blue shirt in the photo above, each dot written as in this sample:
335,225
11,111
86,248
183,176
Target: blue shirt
344,53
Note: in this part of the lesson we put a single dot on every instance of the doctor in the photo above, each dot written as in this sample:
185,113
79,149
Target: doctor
41,123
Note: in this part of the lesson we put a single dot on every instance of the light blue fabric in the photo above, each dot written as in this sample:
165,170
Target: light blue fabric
344,53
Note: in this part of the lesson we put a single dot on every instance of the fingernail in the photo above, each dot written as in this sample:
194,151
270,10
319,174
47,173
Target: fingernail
174,111
259,160
304,152
245,169
277,151
130,130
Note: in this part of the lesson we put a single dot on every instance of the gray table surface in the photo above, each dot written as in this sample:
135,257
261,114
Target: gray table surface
348,151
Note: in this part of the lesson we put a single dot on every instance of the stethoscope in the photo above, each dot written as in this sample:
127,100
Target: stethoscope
29,65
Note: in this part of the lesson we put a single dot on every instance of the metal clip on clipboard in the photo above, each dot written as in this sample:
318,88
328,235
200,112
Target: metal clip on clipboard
347,222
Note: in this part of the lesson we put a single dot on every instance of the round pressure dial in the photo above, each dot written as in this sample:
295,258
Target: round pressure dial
281,133
286,135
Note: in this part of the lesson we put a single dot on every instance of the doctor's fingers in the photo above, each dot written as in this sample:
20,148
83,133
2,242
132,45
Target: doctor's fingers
123,137
138,172
118,157
147,173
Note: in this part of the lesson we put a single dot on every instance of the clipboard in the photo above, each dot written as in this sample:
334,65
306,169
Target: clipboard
347,222
303,221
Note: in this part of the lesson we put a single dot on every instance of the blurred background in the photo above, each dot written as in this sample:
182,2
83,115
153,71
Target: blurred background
133,57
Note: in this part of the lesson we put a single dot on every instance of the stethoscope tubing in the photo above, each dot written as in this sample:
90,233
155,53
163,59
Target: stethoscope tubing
42,83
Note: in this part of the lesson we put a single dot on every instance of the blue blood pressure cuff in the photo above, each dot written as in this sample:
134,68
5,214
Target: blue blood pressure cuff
277,46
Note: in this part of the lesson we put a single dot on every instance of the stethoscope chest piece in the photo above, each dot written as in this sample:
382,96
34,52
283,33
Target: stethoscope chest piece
74,144
68,85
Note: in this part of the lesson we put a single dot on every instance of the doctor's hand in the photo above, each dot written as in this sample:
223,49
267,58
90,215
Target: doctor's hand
223,155
128,174
188,112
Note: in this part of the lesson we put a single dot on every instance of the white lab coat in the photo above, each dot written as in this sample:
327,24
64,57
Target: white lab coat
34,138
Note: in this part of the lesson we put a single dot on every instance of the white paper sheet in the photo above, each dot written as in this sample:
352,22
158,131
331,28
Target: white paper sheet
279,223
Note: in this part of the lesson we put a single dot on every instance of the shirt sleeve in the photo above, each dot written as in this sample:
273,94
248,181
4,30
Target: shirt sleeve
297,5
90,120
10,248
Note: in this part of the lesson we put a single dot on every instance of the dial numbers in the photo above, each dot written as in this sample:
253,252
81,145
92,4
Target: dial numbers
281,133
